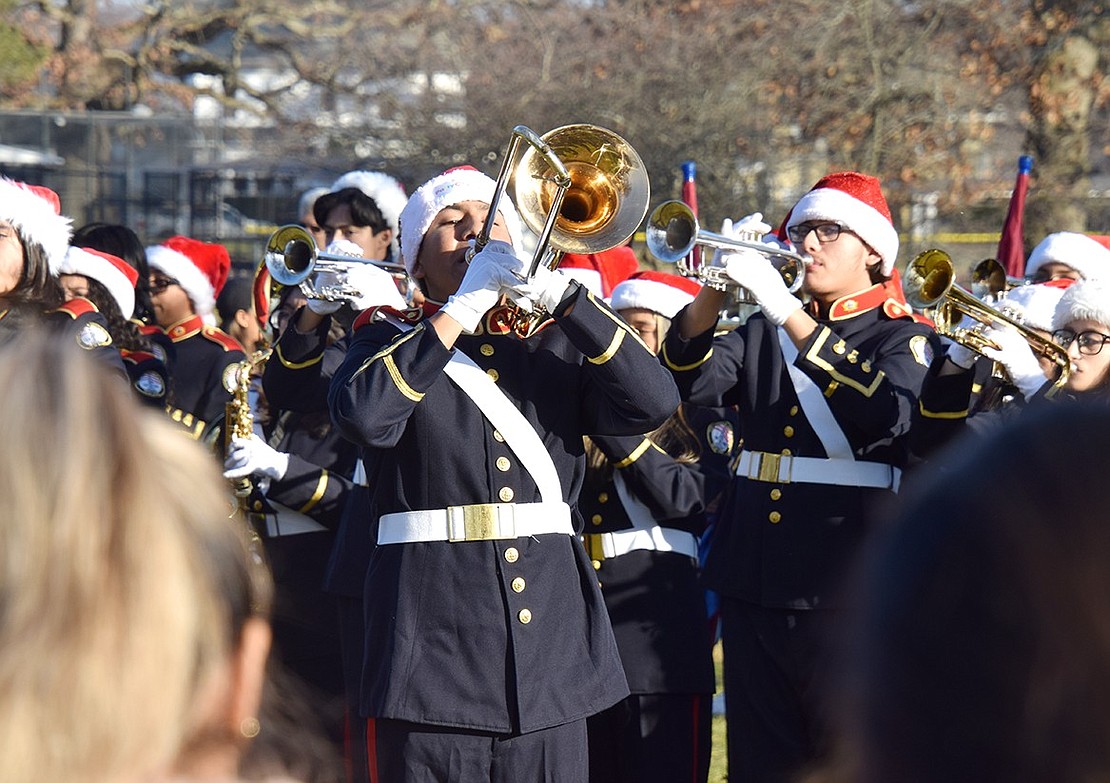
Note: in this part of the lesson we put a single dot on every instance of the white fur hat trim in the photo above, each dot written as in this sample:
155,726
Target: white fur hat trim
651,295
1079,251
1085,300
35,219
386,192
188,275
79,261
451,187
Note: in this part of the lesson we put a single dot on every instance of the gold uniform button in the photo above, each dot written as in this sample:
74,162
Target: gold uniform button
793,410
497,436
788,431
853,357
511,555
840,347
866,366
503,464
258,505
775,517
492,373
603,497
525,616
518,585
596,564
776,494
596,519
486,349
506,494
787,453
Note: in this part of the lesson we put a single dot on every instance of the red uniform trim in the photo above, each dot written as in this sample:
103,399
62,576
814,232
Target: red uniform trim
75,308
372,750
135,357
223,339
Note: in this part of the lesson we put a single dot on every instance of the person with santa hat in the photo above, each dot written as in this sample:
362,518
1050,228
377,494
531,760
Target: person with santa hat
1069,255
825,392
486,643
186,276
645,501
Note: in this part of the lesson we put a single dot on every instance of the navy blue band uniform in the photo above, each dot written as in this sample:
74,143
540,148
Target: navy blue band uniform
202,354
508,635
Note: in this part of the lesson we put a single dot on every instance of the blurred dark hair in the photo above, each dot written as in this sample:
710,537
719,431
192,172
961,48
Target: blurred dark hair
237,294
364,210
123,243
125,334
978,643
37,286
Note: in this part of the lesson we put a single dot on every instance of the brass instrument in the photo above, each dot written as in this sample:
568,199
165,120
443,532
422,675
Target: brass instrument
293,259
673,232
581,188
929,285
990,282
239,421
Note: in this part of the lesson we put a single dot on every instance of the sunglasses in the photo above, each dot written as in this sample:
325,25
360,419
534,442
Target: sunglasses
160,284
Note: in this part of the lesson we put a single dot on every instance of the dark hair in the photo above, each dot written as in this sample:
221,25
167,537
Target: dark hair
364,210
125,244
125,334
978,645
37,284
237,294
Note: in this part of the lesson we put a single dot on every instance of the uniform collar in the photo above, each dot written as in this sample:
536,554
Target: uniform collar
186,327
867,299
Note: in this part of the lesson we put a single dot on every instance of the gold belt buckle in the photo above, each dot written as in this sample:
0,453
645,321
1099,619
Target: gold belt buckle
595,549
479,522
768,469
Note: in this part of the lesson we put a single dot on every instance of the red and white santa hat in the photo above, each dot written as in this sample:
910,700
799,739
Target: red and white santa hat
110,271
600,272
201,268
1085,300
454,186
387,193
660,292
35,212
1035,305
855,201
1087,255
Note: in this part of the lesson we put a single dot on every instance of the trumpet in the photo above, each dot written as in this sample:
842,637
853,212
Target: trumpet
990,282
929,284
580,188
293,259
672,232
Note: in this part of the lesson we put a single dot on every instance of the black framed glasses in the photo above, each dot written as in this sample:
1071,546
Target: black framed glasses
826,232
160,284
1090,342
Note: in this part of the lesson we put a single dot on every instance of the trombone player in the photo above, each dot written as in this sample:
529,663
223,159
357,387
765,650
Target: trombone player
487,643
825,392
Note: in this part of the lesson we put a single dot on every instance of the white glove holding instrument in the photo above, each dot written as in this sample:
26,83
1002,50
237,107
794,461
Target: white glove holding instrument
329,279
494,269
754,271
543,293
1016,355
254,457
959,354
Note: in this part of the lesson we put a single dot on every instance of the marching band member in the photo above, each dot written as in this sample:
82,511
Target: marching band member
186,275
389,199
825,395
1068,255
109,283
643,502
1081,324
307,218
487,642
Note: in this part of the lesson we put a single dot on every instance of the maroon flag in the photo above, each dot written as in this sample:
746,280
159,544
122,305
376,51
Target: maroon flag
1011,249
690,199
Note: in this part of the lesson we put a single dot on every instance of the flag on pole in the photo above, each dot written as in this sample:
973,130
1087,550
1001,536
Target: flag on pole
1011,249
690,199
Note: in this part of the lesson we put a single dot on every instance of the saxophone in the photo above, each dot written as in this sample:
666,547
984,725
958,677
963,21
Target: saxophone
239,421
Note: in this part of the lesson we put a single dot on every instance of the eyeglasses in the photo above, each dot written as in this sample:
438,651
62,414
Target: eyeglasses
1089,342
160,284
826,232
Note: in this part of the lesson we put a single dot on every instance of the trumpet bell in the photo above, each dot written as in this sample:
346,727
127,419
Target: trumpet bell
671,231
290,254
608,193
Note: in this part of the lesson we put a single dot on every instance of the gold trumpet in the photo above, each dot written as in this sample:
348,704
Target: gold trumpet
672,233
929,285
580,188
293,259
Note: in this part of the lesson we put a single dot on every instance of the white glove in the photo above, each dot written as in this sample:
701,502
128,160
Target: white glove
325,279
492,270
375,286
1015,354
742,229
755,272
544,293
960,355
253,456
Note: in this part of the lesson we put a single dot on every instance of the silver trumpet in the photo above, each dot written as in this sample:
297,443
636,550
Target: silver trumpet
673,232
293,259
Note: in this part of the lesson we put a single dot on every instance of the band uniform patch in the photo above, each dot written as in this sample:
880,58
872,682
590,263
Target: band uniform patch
150,384
93,335
721,437
159,351
231,377
921,349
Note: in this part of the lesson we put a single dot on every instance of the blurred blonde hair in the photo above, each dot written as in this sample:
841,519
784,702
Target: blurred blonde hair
123,582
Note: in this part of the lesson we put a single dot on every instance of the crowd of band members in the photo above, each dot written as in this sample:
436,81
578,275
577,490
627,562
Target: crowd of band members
572,642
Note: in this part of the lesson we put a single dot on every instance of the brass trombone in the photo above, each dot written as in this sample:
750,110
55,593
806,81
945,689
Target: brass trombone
581,188
293,259
929,285
672,233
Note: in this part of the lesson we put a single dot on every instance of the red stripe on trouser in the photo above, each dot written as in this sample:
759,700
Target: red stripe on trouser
695,703
372,750
347,746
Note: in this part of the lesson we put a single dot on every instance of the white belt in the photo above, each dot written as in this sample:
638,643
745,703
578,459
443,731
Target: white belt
621,542
481,522
783,469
